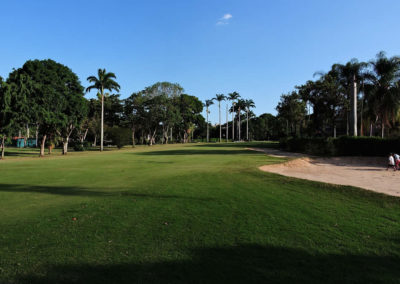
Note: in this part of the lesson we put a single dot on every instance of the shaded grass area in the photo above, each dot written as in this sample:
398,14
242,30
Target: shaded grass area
200,213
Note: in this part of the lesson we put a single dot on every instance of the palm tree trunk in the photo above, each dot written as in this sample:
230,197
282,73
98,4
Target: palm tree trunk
239,125
247,125
102,120
227,124
233,124
220,128
354,107
208,134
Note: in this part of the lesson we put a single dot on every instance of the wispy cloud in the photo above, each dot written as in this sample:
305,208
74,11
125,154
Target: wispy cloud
224,20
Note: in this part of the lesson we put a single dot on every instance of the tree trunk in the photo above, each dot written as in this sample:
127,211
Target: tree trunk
233,124
208,134
2,147
334,130
247,125
42,144
27,135
354,107
170,136
287,127
65,146
383,130
102,121
227,128
239,125
220,126
95,140
37,135
370,130
133,137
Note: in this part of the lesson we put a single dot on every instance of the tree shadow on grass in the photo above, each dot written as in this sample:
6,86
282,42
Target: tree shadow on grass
190,151
241,145
79,191
237,264
20,154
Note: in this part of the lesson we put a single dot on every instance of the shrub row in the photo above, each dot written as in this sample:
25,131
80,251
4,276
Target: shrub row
342,146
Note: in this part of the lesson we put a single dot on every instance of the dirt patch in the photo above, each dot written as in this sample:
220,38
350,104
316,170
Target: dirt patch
365,172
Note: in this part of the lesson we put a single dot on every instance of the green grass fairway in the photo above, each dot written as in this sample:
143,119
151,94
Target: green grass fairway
199,213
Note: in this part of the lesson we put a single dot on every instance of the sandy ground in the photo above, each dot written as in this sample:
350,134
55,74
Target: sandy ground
365,172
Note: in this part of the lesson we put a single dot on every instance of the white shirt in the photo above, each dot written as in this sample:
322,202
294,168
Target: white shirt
391,161
396,157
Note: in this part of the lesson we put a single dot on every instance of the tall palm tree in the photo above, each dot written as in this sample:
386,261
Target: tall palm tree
248,104
208,103
233,97
240,105
219,98
382,89
103,81
351,74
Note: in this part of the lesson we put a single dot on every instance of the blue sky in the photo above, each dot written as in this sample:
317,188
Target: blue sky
259,48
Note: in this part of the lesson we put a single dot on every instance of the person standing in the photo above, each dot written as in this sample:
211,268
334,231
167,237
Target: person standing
391,163
396,161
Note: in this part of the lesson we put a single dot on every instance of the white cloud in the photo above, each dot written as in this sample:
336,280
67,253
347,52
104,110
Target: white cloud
226,17
224,20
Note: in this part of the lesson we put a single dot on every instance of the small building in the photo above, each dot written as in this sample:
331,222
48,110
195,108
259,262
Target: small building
19,142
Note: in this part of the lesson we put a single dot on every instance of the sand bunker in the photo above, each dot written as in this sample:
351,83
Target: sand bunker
365,172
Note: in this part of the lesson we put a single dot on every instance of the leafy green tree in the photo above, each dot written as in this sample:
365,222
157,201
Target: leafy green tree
134,113
170,90
190,108
382,89
291,108
103,81
75,111
219,98
4,114
49,87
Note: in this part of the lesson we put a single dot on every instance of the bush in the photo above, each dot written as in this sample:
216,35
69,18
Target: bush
79,147
366,146
343,146
119,136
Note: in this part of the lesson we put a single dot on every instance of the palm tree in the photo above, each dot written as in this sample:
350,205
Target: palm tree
103,81
208,103
240,105
383,90
248,104
233,97
219,98
350,75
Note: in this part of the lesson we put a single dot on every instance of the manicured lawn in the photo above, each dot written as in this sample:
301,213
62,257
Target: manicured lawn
199,213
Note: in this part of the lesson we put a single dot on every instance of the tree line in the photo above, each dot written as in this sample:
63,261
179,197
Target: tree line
46,98
356,98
